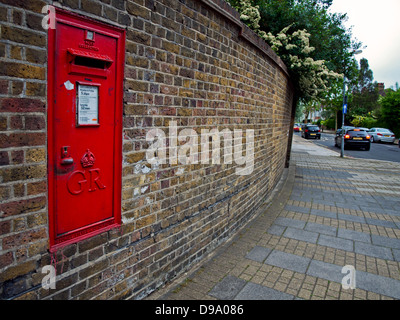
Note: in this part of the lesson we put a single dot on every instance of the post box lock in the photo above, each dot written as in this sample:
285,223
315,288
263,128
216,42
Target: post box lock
66,158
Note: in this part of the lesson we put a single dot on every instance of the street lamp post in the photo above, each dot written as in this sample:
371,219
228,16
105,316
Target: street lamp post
344,109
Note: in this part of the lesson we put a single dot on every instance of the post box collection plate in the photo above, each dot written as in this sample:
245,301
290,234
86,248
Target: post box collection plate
87,105
85,82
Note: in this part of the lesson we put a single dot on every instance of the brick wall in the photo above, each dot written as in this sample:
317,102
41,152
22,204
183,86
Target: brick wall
187,61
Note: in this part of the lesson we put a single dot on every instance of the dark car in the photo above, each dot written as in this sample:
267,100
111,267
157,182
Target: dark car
311,131
355,137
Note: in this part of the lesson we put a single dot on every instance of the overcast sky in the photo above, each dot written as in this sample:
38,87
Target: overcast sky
376,23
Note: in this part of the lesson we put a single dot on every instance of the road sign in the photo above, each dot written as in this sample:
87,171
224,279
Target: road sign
345,109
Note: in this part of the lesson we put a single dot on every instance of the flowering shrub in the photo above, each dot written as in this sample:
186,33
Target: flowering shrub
311,77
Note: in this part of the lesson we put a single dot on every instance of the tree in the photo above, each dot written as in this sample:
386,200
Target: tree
328,35
312,42
391,110
365,77
365,92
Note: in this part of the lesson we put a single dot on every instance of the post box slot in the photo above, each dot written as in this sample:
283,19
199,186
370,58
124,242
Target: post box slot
91,63
82,62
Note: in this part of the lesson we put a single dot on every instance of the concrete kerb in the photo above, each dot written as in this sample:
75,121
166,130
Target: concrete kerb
271,207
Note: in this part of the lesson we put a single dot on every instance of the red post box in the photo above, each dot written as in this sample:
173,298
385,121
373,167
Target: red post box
85,83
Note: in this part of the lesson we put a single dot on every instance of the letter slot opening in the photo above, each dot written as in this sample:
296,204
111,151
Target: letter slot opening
82,62
90,63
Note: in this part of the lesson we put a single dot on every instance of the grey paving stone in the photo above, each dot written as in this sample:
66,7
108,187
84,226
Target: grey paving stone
325,271
374,209
301,235
348,217
385,242
334,242
276,230
354,235
373,250
297,209
258,254
320,228
371,207
228,288
382,223
396,254
324,202
392,212
298,198
378,284
254,291
288,261
364,280
347,205
321,213
290,223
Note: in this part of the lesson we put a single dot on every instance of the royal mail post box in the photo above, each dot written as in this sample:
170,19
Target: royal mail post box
85,83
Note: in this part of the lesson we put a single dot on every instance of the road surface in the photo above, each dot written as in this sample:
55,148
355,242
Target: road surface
379,151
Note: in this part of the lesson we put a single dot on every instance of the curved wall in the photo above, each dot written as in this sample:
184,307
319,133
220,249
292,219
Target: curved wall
190,67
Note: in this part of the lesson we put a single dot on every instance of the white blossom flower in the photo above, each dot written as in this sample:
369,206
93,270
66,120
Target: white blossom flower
295,49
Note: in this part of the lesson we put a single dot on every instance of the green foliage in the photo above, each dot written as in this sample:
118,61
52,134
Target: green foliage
365,122
312,42
330,38
391,110
329,123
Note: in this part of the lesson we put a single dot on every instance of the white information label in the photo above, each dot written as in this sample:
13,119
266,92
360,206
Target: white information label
88,105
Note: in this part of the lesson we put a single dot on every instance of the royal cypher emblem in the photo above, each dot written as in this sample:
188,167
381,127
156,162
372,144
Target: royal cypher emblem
88,159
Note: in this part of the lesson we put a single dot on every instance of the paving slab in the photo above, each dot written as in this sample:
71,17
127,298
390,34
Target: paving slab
337,243
253,291
385,241
351,218
321,228
323,213
326,271
301,235
354,235
228,288
396,254
378,284
297,209
381,223
288,261
290,223
258,254
276,230
373,250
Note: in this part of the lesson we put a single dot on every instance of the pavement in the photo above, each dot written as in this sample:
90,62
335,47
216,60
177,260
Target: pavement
331,231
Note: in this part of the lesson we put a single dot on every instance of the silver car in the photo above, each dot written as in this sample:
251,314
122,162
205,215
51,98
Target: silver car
381,135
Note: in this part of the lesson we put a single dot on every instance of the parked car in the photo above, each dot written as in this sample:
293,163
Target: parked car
345,128
311,131
381,135
297,127
354,137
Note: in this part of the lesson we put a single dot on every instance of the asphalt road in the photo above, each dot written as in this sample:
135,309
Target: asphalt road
379,151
